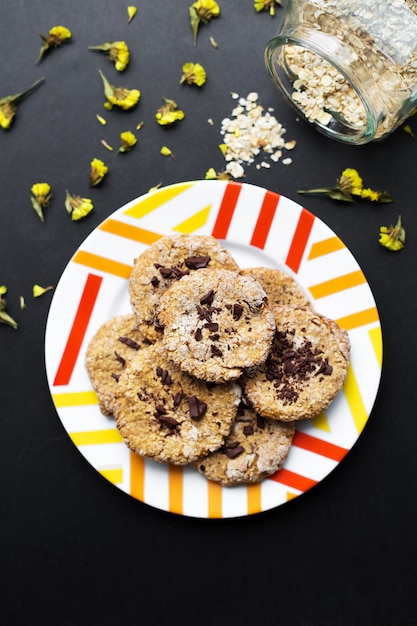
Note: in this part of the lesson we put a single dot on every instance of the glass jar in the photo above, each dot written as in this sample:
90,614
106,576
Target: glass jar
348,66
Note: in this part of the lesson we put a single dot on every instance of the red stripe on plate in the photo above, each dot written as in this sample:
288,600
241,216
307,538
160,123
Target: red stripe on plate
300,239
79,326
324,448
291,479
266,215
227,208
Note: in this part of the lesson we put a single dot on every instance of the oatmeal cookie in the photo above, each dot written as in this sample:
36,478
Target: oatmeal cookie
305,369
255,448
112,346
164,414
281,288
217,324
162,264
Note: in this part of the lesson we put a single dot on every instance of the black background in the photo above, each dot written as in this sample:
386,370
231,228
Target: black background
76,550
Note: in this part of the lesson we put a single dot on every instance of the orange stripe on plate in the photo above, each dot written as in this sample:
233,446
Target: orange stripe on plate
324,448
347,281
137,476
291,479
227,208
326,246
77,332
129,232
214,499
361,318
254,498
300,239
175,473
97,262
266,216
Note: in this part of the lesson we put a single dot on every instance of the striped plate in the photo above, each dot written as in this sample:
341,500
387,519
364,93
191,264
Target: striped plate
259,227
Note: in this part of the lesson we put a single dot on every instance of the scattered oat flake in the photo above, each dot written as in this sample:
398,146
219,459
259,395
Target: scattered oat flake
214,42
287,161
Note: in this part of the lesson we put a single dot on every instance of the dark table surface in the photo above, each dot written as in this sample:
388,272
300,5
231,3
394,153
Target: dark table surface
77,550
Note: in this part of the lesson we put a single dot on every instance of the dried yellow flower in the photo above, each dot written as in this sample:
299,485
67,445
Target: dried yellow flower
55,37
40,198
117,52
165,151
392,237
266,5
98,170
169,113
202,11
38,291
193,74
211,174
128,140
119,96
131,12
77,206
8,105
5,318
348,187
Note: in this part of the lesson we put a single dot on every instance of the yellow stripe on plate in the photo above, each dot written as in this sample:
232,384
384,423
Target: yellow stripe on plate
137,476
254,498
96,262
355,401
75,398
156,199
320,248
193,223
340,283
175,473
375,335
113,474
215,495
96,437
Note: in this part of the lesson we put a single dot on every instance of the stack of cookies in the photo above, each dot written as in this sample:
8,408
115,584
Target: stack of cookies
215,364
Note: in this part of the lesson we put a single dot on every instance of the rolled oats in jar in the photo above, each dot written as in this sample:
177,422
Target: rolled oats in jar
348,66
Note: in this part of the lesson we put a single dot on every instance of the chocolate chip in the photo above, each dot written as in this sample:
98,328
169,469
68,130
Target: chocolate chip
233,450
208,298
120,359
154,281
213,327
248,430
237,311
214,337
197,408
215,351
198,335
163,375
116,377
169,422
197,262
178,398
127,341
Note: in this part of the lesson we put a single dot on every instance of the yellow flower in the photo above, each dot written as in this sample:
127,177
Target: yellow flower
211,174
202,11
266,5
370,194
56,36
350,182
5,318
38,291
77,206
97,172
41,198
165,151
169,113
348,185
119,96
392,237
131,12
128,140
8,105
117,52
193,74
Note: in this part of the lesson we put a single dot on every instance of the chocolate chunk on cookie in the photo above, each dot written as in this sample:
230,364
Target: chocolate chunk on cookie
112,346
164,414
306,367
280,287
255,448
162,264
217,324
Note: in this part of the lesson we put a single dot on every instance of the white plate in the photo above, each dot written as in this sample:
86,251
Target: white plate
259,227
